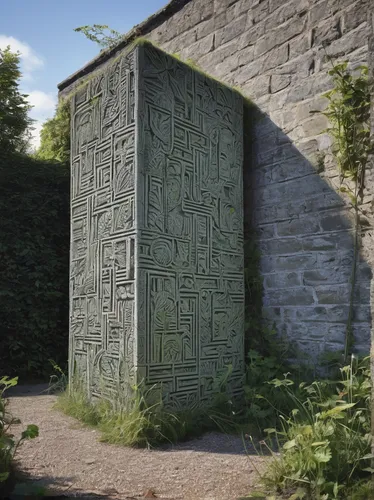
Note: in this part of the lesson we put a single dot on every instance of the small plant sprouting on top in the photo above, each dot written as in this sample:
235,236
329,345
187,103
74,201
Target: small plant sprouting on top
101,34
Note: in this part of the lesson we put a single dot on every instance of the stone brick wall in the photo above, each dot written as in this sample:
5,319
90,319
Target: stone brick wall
276,52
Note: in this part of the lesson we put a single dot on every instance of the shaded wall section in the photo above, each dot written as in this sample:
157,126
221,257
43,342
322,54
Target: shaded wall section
157,288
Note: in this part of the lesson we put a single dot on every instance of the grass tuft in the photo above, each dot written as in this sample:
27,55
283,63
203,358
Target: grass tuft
143,421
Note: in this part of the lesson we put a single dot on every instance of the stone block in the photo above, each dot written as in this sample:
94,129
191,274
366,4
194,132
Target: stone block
257,87
362,314
300,44
251,35
349,42
231,30
355,15
205,28
276,57
279,82
281,246
266,230
326,276
246,55
260,11
336,221
323,242
323,314
315,125
270,264
157,288
298,296
282,280
198,49
301,226
326,32
333,294
283,33
209,61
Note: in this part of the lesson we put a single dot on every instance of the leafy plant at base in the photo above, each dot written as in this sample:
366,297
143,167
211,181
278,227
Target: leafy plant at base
58,381
8,444
325,442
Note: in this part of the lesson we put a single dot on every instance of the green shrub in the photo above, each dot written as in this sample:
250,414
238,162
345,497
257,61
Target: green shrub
34,254
325,441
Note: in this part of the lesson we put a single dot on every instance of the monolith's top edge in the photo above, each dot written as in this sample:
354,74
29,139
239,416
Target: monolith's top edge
139,30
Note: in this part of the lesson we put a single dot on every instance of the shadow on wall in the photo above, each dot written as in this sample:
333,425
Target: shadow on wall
306,240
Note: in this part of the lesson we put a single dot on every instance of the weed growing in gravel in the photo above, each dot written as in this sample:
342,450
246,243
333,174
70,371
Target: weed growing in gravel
75,402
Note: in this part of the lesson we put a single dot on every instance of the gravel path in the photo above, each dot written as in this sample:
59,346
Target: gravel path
67,456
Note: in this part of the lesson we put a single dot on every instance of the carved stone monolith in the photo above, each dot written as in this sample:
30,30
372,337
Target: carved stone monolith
157,287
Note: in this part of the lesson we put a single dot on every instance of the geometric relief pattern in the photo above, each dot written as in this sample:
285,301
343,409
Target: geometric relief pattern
157,288
190,230
102,335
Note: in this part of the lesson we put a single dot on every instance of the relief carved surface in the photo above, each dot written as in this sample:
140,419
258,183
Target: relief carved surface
157,291
190,256
102,286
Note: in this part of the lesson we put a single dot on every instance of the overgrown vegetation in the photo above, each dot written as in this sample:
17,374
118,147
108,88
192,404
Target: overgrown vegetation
143,420
55,136
349,115
34,253
34,249
8,443
321,429
324,441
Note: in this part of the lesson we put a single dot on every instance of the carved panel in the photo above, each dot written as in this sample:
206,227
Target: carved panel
103,230
190,255
157,290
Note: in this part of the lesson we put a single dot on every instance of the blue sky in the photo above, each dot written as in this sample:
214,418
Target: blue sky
42,30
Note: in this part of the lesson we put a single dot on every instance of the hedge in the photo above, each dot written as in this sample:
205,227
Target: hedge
34,269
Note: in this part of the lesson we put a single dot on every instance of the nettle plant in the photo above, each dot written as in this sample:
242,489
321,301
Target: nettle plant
349,114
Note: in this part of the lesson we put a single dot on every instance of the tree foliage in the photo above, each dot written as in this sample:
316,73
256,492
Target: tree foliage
101,34
14,107
55,136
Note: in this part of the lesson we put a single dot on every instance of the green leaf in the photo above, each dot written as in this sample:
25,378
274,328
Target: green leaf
322,455
290,444
31,432
3,476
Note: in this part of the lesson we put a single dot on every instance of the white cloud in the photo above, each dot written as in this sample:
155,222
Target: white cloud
44,106
35,136
30,60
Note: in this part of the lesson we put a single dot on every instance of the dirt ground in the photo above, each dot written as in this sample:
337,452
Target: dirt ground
69,459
